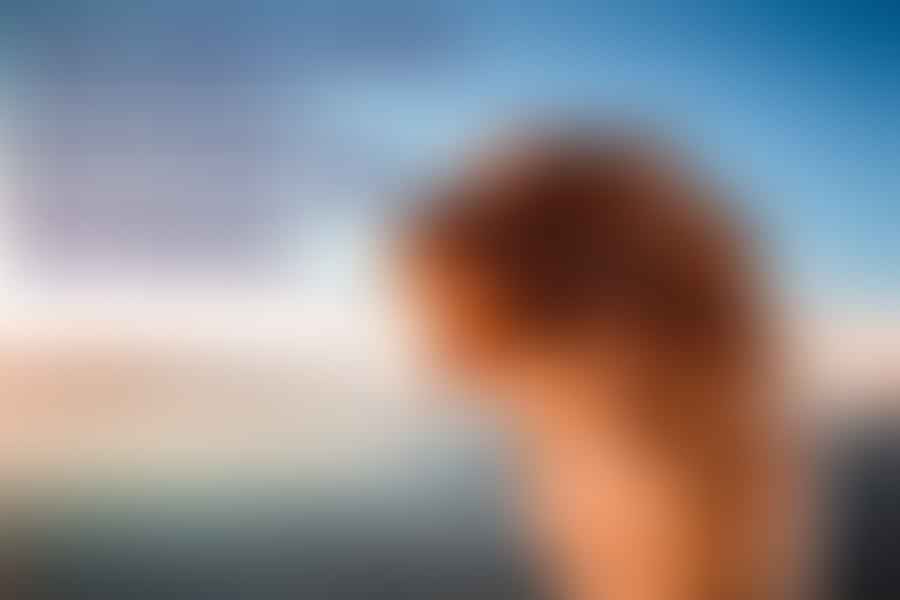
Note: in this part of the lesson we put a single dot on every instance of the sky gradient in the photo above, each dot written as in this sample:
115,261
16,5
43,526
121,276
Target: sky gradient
222,134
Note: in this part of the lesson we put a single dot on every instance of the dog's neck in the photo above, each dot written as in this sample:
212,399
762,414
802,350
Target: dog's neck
621,519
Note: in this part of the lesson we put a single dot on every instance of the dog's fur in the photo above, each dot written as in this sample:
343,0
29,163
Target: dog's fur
589,278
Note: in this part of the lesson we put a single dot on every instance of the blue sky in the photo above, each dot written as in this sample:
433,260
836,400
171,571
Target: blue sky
794,103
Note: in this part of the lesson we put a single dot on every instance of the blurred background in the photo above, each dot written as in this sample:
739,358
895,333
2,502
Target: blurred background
202,391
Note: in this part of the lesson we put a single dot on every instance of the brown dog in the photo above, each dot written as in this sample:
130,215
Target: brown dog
612,308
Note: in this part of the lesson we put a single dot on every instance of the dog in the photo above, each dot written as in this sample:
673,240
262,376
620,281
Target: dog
616,313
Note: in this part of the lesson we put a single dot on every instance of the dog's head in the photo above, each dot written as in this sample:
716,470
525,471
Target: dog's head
562,246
